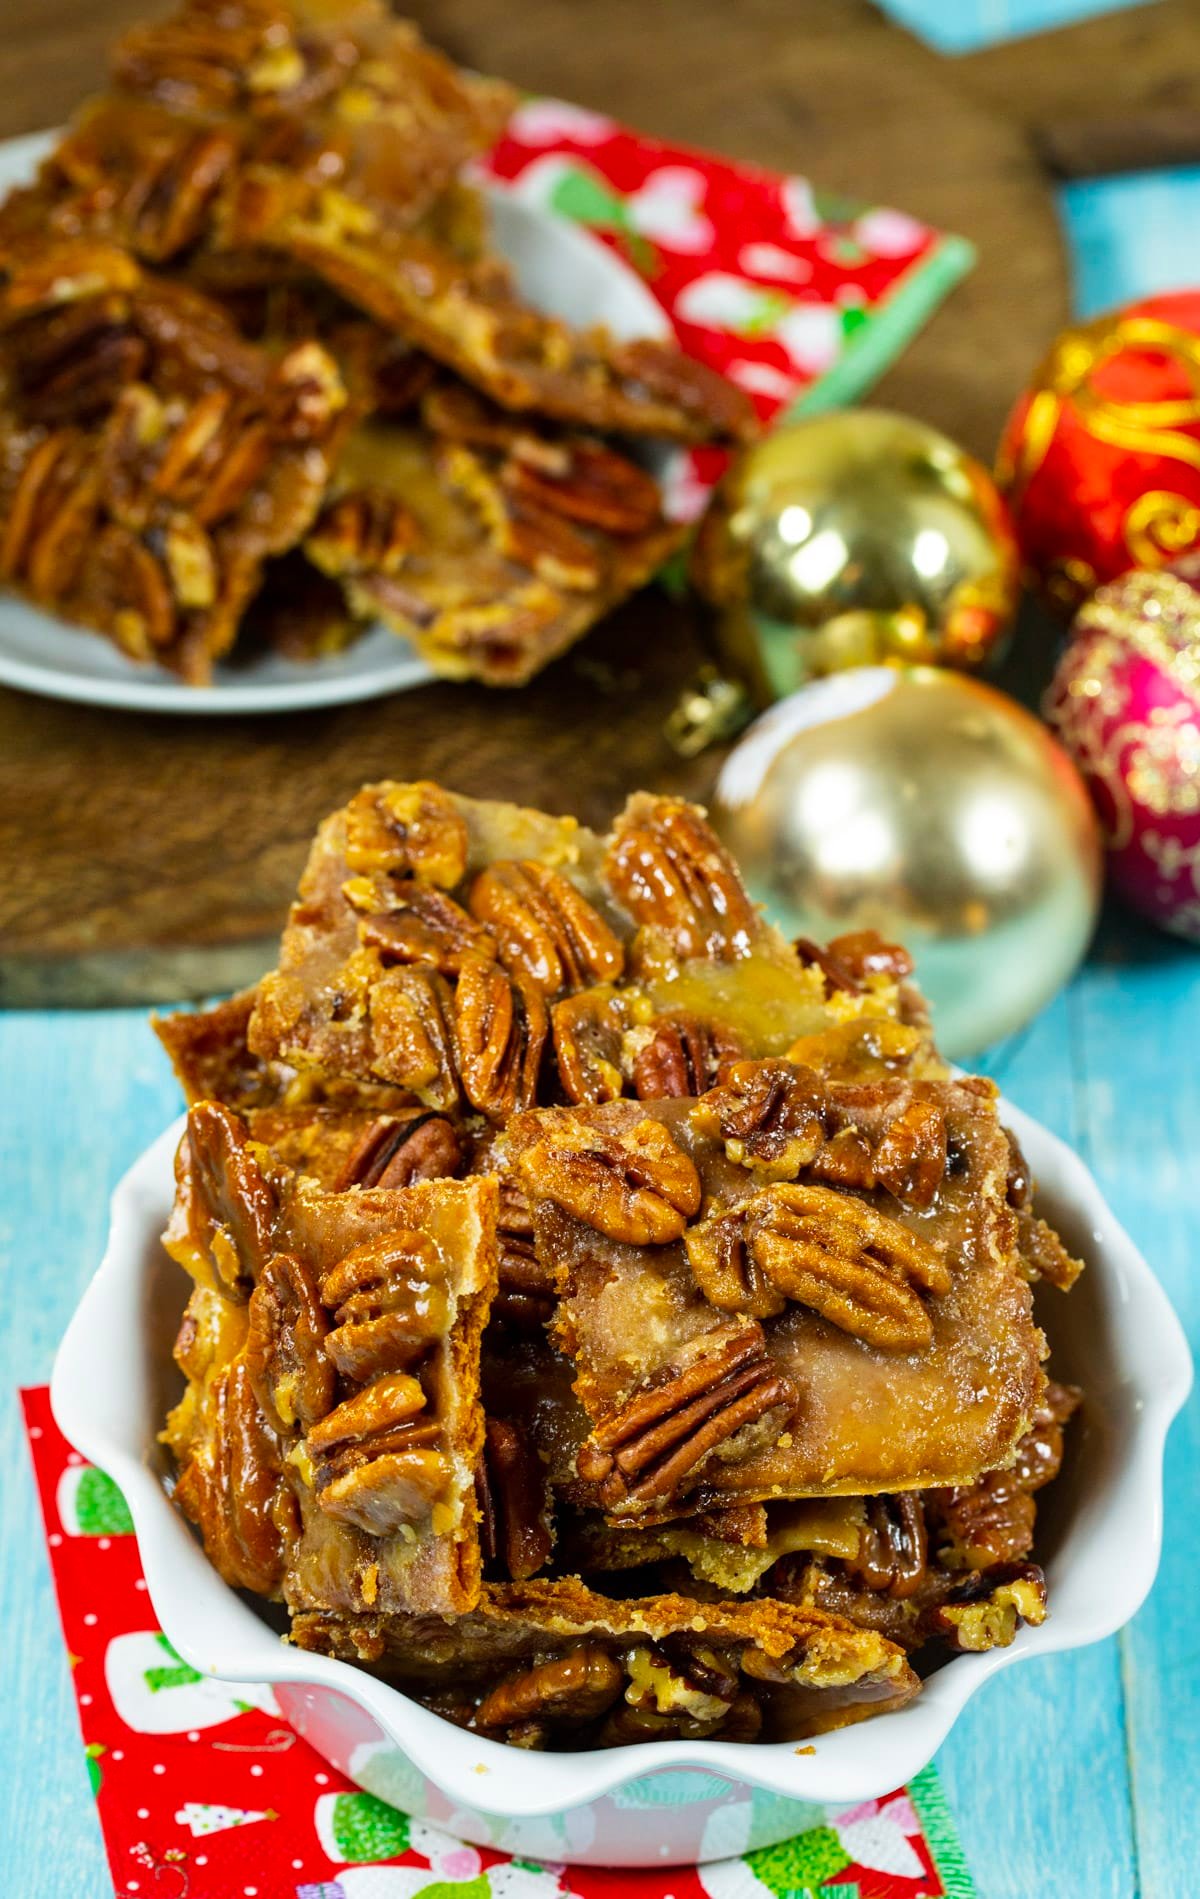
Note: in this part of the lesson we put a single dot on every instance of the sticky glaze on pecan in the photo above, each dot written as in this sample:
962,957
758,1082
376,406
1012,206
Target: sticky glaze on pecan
636,1185
683,1056
285,1345
854,1265
389,1304
649,1446
500,1027
544,927
668,870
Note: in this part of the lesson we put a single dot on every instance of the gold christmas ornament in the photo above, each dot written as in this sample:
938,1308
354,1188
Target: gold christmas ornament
849,539
934,809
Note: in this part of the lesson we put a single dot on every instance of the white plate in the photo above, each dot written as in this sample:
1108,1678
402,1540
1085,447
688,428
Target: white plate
559,268
1099,1533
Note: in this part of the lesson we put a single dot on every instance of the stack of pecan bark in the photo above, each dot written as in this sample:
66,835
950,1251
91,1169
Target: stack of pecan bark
259,366
611,1320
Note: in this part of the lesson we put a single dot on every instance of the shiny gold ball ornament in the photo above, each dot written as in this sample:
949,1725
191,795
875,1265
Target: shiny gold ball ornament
934,809
852,538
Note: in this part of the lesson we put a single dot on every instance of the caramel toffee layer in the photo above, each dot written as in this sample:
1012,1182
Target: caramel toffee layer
610,1320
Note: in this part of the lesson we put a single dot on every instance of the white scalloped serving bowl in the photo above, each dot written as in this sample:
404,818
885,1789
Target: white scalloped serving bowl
663,1803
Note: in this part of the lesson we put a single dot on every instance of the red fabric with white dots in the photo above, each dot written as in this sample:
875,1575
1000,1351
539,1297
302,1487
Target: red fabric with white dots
204,1792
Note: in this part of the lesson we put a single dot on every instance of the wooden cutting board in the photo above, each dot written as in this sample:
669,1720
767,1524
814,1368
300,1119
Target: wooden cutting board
148,859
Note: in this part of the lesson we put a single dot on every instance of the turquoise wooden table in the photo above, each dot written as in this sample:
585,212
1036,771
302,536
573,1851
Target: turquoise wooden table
1076,1778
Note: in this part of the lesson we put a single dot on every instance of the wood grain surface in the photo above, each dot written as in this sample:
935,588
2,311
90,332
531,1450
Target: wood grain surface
145,858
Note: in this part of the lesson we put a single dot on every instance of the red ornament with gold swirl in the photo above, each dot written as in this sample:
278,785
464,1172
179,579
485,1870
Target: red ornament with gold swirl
1126,702
1100,460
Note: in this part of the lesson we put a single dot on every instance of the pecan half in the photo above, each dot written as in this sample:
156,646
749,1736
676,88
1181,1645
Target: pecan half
667,868
636,1185
394,1152
893,1547
588,1030
285,1345
412,1010
770,1115
576,1687
836,975
598,488
864,953
683,1056
389,1304
910,1158
415,829
544,928
514,1501
418,925
500,1027
526,1295
839,1255
231,1208
232,1489
366,531
376,1462
647,1447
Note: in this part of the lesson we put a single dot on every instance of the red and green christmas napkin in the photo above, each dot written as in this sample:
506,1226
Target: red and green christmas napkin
204,1792
799,297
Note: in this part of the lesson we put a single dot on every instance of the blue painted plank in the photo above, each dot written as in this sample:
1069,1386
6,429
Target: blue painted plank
1139,1017
80,1098
1036,1769
1132,235
962,26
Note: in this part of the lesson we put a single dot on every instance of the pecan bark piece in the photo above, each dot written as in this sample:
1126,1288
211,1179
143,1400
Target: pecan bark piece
987,1610
667,868
589,1030
636,1186
683,1056
231,1207
395,1152
500,1028
770,1115
893,1545
412,1009
576,1687
841,1256
650,1445
416,924
514,1502
413,830
389,1304
232,1490
526,1295
285,1345
376,1461
544,928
